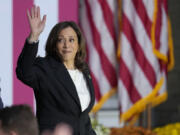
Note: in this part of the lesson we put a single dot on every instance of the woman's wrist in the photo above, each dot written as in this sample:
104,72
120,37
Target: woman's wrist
33,38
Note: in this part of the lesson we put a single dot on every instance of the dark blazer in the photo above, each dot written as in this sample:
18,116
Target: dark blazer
56,96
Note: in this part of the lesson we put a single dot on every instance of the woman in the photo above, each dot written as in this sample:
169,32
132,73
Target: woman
61,81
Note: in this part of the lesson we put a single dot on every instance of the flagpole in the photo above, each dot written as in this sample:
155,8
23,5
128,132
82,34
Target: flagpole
141,119
149,107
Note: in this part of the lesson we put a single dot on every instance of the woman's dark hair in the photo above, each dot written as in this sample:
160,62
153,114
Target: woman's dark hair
51,44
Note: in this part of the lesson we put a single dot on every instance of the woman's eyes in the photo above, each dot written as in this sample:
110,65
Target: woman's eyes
61,40
71,40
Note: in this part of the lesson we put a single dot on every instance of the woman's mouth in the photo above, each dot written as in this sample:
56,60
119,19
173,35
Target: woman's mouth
66,51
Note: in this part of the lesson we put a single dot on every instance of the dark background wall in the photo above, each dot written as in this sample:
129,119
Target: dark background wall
169,111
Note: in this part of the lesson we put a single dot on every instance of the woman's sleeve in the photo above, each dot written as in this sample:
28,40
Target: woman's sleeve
25,70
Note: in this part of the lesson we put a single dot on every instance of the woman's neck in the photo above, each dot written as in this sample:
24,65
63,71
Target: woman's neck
69,64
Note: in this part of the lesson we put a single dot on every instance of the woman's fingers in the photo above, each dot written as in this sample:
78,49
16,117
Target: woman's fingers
32,12
38,11
36,24
35,11
44,20
29,16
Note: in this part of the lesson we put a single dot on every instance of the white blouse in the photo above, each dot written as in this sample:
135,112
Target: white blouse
81,87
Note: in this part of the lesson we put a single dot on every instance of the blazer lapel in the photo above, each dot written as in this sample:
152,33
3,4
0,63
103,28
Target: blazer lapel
91,90
62,75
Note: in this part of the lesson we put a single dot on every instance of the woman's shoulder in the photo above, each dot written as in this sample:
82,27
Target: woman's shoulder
42,63
39,59
47,60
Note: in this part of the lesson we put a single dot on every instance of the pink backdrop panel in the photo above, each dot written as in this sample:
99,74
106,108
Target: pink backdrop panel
21,94
68,10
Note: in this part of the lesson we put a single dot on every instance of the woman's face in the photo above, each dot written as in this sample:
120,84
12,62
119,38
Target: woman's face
67,44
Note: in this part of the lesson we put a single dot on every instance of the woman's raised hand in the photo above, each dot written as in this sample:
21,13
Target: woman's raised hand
36,23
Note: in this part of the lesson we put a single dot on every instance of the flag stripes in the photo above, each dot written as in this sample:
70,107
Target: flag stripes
138,52
143,46
97,22
142,13
108,17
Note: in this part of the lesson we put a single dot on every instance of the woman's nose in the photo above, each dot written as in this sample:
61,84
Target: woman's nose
65,44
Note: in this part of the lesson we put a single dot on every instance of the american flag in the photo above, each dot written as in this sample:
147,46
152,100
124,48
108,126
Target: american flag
97,20
146,54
